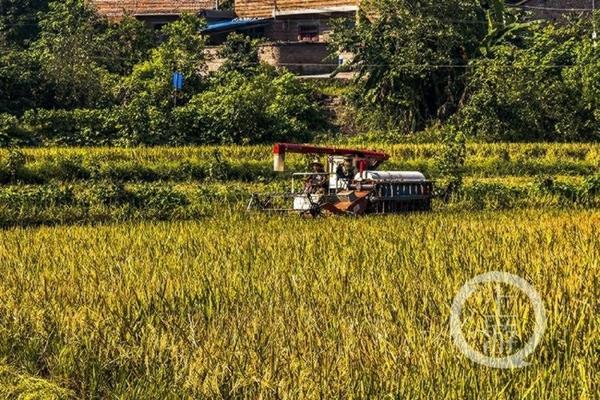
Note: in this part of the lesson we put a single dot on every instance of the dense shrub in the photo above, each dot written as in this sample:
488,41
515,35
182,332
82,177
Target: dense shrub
37,196
240,53
395,54
11,133
69,50
22,85
236,109
249,109
182,49
547,90
75,128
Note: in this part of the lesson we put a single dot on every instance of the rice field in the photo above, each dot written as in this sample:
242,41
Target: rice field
135,274
92,185
246,306
252,162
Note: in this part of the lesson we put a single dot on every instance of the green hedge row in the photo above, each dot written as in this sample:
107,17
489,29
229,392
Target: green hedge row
544,191
16,166
23,205
260,108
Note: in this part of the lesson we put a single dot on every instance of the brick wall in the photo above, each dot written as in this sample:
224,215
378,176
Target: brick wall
287,29
301,58
265,8
118,8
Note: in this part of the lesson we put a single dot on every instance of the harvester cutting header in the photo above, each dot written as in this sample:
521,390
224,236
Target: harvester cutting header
347,184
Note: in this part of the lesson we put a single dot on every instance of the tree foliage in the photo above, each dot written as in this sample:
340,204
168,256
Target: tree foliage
238,108
410,57
240,53
70,76
547,89
22,85
69,52
183,51
19,21
99,94
479,64
125,43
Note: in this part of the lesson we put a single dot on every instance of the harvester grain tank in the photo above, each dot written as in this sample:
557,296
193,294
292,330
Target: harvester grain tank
349,183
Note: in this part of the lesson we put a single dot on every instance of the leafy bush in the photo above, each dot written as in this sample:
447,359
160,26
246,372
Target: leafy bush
396,85
37,196
240,53
69,48
82,127
546,91
127,42
22,85
249,109
159,201
11,133
182,50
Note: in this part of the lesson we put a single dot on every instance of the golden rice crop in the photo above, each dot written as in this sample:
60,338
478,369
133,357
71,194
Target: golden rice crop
545,151
243,306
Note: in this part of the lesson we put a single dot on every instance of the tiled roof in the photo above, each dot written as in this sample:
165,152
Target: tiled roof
117,8
269,8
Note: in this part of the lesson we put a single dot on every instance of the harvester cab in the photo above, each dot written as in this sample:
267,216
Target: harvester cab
348,183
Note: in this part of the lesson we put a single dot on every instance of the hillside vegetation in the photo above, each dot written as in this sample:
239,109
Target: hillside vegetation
75,78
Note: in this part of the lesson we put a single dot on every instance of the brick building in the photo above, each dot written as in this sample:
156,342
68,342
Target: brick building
155,12
295,31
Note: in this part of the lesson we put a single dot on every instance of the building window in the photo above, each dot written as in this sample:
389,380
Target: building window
308,33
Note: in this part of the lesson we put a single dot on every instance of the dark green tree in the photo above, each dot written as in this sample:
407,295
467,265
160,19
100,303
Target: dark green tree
125,43
70,52
182,50
22,85
19,21
240,53
411,58
547,88
147,96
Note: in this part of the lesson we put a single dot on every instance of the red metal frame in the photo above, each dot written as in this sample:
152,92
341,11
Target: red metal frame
376,157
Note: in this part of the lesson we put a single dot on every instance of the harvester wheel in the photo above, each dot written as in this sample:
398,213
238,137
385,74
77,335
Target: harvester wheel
315,209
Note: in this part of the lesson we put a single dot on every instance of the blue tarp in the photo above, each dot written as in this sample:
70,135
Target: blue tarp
234,24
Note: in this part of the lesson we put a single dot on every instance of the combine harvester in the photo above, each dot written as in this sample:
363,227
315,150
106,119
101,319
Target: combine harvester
348,184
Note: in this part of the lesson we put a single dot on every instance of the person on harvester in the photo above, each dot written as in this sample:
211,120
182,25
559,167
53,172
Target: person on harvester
316,183
345,172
